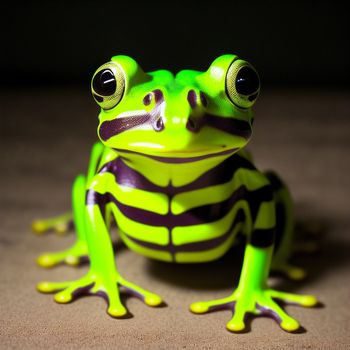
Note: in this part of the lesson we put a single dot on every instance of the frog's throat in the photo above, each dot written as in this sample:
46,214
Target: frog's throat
163,170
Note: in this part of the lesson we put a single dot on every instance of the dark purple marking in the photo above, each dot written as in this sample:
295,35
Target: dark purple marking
110,128
281,224
174,160
192,125
192,98
230,305
220,174
275,180
281,210
82,291
262,238
127,176
102,295
159,124
199,215
227,124
133,292
84,259
101,200
158,96
203,99
268,312
116,126
192,247
147,99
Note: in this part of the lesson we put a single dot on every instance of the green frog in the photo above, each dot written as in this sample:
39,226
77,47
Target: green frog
171,170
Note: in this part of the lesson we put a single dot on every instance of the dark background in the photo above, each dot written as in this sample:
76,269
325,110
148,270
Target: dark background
302,43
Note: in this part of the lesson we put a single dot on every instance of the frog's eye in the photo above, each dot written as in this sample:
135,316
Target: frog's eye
242,84
108,85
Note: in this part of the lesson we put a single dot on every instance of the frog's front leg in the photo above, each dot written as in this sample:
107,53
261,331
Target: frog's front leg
103,277
253,294
78,251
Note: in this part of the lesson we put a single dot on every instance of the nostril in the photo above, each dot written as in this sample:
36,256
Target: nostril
147,99
192,125
203,99
159,124
192,98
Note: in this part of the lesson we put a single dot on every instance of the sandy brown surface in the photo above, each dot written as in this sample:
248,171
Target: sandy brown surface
45,139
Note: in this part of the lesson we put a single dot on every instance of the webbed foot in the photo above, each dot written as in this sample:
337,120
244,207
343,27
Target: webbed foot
259,302
72,256
94,284
59,224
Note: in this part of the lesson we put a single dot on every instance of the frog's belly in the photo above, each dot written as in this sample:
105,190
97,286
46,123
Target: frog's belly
178,238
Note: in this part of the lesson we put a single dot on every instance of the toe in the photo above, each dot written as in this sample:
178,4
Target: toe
237,326
46,260
199,307
290,325
303,300
63,297
117,311
50,287
153,300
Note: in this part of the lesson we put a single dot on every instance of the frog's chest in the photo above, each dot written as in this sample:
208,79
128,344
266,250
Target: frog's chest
195,222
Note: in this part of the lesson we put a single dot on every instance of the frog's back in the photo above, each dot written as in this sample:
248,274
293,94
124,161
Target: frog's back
195,222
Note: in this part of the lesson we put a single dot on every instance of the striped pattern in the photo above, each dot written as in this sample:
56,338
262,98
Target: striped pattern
186,223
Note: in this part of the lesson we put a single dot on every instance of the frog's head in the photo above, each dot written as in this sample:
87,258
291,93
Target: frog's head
193,114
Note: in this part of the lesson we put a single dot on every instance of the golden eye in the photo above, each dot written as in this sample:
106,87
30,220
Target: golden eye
107,85
242,84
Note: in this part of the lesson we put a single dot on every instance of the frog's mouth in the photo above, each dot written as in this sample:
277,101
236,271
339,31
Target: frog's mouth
174,142
111,128
177,157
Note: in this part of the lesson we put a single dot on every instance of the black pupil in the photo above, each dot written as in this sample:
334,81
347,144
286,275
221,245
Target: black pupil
247,81
104,83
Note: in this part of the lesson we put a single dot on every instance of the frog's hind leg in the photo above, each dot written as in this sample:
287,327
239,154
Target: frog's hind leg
284,241
78,252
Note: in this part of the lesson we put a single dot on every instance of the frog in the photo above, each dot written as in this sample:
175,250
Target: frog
171,169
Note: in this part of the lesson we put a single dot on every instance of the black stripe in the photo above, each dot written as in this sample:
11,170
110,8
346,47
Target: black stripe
262,238
220,174
281,219
281,210
93,197
195,246
228,125
199,215
275,180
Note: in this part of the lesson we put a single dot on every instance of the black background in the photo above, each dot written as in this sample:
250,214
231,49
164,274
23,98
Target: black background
289,42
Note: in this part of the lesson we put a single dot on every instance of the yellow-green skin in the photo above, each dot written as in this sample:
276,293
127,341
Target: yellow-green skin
172,159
